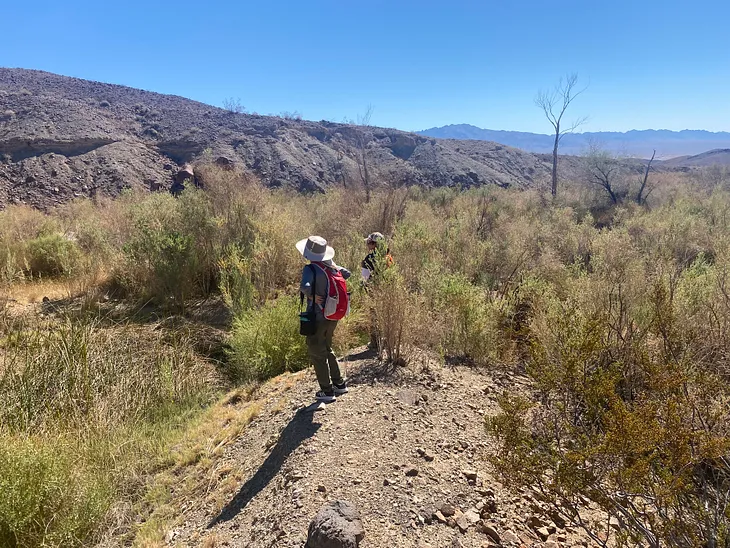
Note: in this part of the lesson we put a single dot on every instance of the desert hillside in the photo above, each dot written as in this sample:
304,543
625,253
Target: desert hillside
63,137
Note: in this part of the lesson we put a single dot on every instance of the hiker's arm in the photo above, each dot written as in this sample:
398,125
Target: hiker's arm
307,282
345,273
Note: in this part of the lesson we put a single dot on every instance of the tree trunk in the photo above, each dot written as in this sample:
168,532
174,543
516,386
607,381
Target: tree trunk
640,196
554,188
366,178
611,193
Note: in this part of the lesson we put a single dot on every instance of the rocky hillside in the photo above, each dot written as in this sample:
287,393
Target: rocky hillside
63,137
717,157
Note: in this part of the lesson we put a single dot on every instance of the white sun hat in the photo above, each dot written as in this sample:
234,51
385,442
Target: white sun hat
315,249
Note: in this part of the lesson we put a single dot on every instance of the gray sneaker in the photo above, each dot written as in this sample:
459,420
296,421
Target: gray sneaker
325,397
340,389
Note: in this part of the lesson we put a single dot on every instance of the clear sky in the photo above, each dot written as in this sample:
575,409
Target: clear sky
651,64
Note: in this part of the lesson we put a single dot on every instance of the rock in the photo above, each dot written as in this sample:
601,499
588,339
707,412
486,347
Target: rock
470,475
508,537
336,525
440,517
558,520
463,523
447,509
321,489
185,174
490,507
224,162
614,523
534,522
411,471
426,455
543,533
472,515
386,482
551,544
491,532
408,397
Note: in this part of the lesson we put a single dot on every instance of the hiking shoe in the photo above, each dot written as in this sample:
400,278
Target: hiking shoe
340,388
325,397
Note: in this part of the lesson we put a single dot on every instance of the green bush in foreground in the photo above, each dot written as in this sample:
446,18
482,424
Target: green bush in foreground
46,497
266,342
51,255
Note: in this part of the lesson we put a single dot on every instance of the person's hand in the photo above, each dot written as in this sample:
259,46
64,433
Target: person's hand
319,299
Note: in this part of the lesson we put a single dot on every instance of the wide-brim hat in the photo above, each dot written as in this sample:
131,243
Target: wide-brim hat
315,249
375,237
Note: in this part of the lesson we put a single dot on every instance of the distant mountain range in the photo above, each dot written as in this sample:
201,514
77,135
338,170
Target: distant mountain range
637,143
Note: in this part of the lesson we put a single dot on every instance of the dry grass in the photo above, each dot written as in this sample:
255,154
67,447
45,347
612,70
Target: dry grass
196,457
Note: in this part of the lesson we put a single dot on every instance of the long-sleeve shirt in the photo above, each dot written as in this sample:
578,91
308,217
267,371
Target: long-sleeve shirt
318,282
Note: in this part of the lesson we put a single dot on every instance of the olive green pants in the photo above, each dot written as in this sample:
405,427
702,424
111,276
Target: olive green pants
323,358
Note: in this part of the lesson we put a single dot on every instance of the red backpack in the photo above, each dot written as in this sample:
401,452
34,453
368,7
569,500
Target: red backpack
337,303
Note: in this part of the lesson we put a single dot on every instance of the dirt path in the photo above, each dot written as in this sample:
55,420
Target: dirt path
401,445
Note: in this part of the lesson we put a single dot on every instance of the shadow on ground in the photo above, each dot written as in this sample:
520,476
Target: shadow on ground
377,372
300,428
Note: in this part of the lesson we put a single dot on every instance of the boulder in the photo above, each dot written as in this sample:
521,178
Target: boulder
186,173
224,163
336,525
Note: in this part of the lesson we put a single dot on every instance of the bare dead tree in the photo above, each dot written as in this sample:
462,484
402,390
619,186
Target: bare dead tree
605,170
554,103
362,138
640,198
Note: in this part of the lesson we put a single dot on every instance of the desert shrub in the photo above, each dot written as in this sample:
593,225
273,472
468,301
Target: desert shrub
400,316
625,414
172,253
236,286
10,269
266,342
51,255
472,321
47,498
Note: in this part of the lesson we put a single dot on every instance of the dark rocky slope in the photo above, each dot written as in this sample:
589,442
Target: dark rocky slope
64,137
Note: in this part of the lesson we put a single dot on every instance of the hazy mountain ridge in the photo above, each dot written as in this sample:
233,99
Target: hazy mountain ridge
639,143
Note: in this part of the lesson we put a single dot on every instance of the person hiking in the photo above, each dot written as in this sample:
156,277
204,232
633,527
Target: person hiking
321,284
376,248
378,256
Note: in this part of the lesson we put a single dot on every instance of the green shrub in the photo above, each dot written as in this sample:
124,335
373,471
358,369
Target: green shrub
266,342
235,283
48,497
51,255
171,254
473,322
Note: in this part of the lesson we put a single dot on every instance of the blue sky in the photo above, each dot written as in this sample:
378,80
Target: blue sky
649,64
